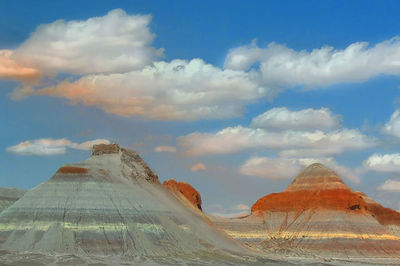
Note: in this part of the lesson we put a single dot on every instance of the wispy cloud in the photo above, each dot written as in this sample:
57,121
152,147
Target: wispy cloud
164,149
307,119
51,146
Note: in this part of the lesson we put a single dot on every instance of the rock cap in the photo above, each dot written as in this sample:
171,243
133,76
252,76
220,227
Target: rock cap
100,149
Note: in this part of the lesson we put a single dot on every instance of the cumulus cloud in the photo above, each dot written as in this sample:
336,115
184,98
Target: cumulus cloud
235,139
284,67
115,68
198,167
176,90
116,42
390,186
389,163
111,64
164,149
392,127
286,168
51,146
306,119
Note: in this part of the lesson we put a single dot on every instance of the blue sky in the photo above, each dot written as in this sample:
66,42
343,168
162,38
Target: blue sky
179,81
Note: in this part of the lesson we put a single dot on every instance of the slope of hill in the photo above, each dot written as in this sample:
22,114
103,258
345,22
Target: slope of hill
8,196
111,203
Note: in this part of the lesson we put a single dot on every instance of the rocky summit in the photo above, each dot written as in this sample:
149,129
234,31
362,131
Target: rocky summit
318,213
112,203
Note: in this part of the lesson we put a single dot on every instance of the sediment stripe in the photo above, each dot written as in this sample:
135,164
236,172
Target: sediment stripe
145,227
309,235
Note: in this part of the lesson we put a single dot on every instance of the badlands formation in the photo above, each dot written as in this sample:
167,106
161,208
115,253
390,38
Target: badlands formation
319,214
112,210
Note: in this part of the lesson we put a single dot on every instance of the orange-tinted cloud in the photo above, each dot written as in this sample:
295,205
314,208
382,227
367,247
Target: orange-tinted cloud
11,69
176,90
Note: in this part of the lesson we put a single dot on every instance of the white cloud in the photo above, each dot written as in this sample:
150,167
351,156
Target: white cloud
51,146
271,168
164,149
390,186
283,67
288,168
389,163
392,127
306,119
198,167
235,139
113,43
176,90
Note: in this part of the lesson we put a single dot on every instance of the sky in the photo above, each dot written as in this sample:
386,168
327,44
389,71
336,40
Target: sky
234,98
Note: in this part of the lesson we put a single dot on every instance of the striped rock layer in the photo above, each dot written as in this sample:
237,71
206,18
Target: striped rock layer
318,213
8,196
111,203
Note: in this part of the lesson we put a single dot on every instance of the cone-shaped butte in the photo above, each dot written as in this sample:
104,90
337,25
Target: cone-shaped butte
320,214
111,203
316,187
188,192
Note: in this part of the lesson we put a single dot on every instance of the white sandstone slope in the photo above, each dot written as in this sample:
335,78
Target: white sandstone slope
111,203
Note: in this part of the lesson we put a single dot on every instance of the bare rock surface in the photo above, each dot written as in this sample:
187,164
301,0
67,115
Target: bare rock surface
111,205
318,214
